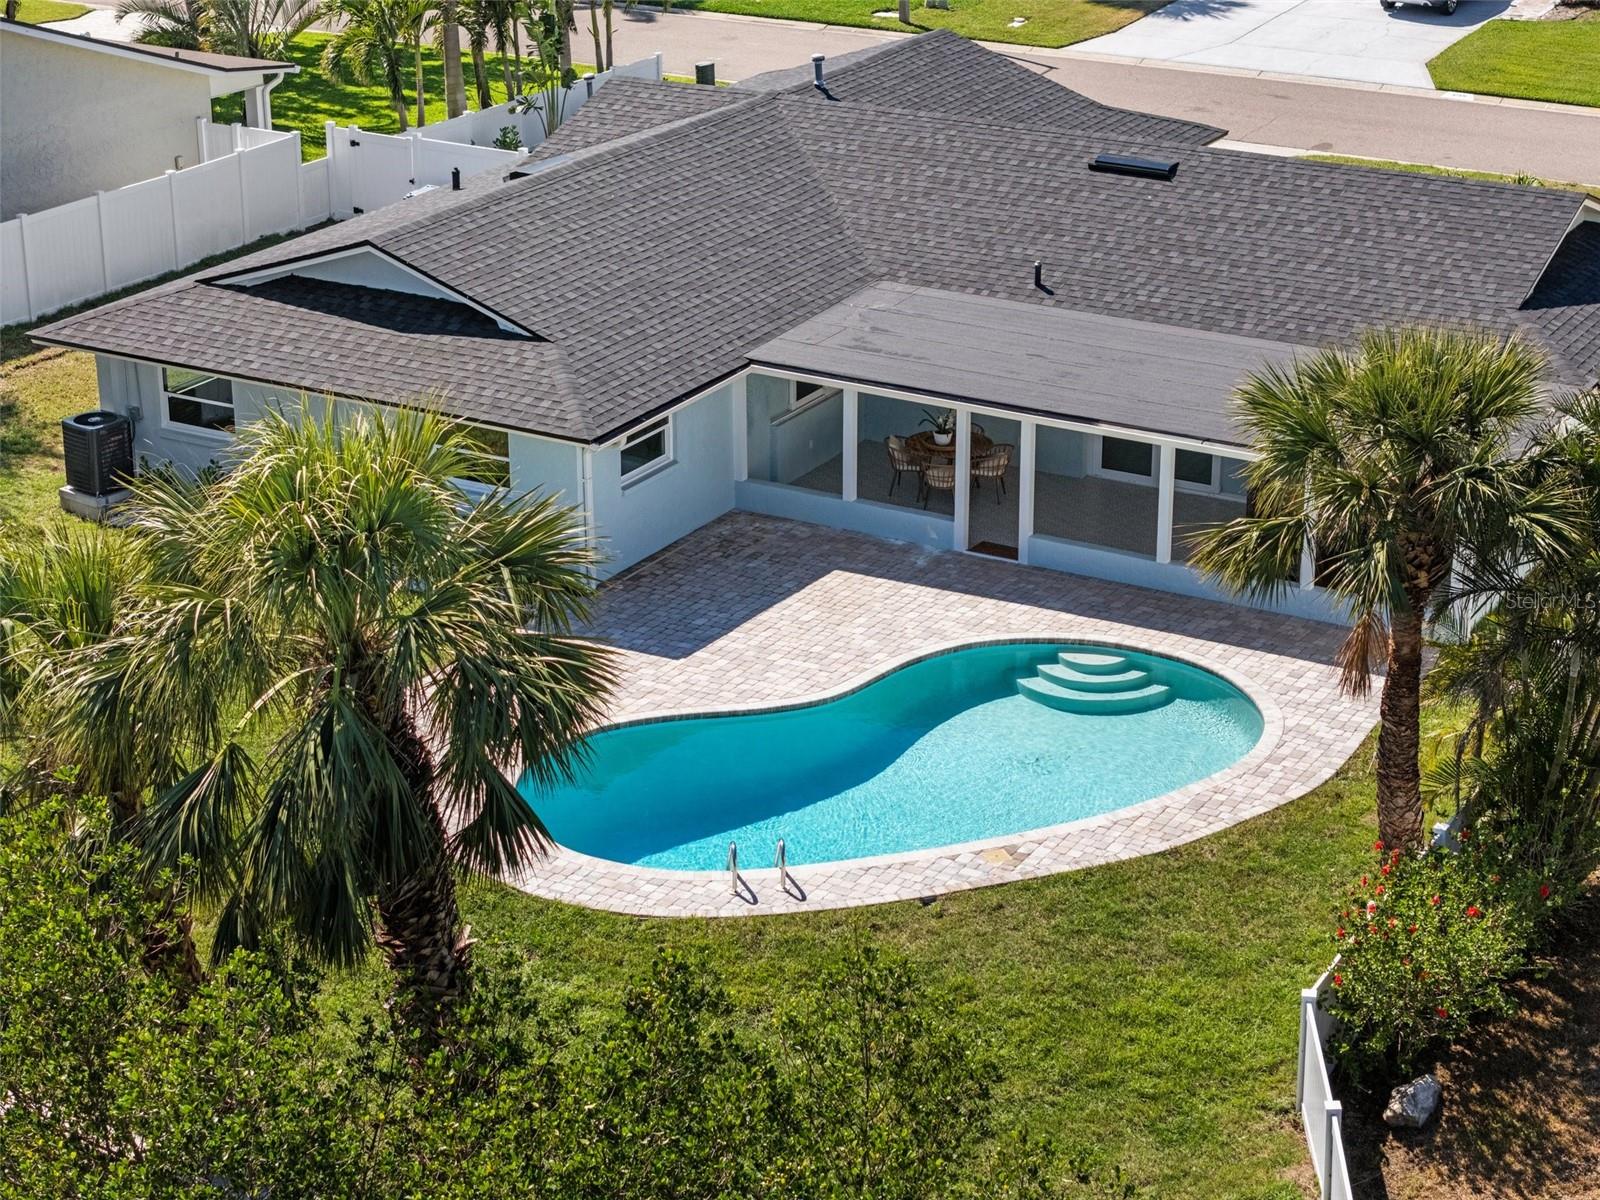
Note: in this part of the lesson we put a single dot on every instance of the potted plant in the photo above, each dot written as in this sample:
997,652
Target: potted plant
943,424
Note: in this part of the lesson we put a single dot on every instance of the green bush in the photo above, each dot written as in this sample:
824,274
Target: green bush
1424,945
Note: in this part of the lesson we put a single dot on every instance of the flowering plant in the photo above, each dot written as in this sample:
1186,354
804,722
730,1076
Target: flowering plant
1424,944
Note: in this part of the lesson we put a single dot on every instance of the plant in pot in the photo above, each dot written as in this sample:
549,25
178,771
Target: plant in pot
943,424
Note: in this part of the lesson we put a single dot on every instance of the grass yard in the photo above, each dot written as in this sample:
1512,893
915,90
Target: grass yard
1048,22
37,12
1531,60
307,100
1452,172
1144,1009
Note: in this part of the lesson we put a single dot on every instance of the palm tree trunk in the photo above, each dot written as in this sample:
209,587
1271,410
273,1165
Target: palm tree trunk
397,92
611,59
422,99
1399,734
594,32
169,940
480,77
419,924
455,85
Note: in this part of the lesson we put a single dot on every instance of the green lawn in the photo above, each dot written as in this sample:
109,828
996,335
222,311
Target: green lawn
1048,22
1452,172
37,12
1146,1009
307,100
1531,60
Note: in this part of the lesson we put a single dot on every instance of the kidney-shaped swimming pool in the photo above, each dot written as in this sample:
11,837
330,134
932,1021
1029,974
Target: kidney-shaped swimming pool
969,744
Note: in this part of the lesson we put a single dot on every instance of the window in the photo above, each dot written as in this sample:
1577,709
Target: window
807,394
1125,457
198,400
1194,467
647,448
493,467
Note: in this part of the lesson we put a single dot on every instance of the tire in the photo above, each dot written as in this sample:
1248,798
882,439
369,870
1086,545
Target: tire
1389,5
1449,7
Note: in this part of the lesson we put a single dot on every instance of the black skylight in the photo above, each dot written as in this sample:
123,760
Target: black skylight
1125,164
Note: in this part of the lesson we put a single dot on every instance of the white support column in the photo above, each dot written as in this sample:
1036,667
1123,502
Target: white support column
741,429
1026,455
852,442
963,493
201,124
1167,458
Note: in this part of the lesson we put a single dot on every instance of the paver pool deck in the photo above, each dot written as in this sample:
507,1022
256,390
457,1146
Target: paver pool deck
754,611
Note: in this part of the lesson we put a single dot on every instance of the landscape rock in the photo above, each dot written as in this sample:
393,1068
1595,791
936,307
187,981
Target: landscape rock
1412,1105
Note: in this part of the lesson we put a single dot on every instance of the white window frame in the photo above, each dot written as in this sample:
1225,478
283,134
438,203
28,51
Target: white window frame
183,428
476,489
1096,454
1214,488
824,393
662,425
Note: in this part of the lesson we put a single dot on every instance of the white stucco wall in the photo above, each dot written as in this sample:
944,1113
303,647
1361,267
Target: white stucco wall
76,121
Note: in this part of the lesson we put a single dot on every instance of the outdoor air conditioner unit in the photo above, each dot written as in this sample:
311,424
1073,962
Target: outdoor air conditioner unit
99,451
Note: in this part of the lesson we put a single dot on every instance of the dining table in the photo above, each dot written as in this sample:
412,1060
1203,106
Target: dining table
924,445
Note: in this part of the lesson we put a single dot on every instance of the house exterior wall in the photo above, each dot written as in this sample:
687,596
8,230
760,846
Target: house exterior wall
633,522
542,467
134,389
75,121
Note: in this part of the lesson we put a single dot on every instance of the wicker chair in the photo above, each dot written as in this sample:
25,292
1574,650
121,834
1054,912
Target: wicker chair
994,465
940,477
903,459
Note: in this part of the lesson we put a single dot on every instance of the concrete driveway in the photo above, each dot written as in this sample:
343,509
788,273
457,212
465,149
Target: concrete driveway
1334,39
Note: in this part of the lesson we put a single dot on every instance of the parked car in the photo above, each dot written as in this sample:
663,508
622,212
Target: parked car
1449,6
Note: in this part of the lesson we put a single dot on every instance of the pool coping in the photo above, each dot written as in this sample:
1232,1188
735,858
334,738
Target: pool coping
642,883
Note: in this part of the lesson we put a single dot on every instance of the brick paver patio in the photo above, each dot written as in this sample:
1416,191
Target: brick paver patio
752,611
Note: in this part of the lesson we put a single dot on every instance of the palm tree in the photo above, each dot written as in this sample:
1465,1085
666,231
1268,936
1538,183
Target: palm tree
369,46
348,657
479,21
423,19
62,594
1389,455
175,24
259,28
455,88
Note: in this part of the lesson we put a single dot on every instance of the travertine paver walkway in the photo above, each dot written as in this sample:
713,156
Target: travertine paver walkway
752,611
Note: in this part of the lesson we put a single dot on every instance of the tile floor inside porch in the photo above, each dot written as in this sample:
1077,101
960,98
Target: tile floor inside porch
752,610
1089,509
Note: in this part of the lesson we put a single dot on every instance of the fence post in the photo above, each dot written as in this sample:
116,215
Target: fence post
299,192
172,207
27,271
105,242
1332,1112
328,140
236,137
1308,1025
244,201
657,57
202,126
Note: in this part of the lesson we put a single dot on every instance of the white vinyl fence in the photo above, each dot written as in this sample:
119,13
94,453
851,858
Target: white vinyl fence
1322,1115
250,184
76,251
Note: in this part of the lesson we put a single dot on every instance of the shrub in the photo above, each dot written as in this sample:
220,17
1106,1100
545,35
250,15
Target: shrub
509,138
1425,944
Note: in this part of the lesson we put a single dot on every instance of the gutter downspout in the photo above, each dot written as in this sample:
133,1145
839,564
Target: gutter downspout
266,100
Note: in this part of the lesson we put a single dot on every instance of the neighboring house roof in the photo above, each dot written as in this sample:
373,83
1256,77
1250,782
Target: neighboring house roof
673,233
943,74
199,61
1051,361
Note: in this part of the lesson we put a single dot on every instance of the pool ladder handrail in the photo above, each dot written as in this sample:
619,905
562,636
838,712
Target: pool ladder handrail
781,862
733,867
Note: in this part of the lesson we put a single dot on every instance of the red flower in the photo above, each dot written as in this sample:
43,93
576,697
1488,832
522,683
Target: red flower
1386,868
1372,929
1465,833
1411,929
1379,889
1378,845
1544,891
1474,911
1338,981
1393,922
1363,881
1441,1012
1494,879
1434,902
1339,932
1394,855
1406,961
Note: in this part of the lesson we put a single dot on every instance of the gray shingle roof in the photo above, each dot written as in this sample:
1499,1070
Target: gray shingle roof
627,106
945,74
1030,357
1565,307
655,262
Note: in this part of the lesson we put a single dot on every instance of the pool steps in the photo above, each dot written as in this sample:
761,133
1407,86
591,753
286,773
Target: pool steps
1082,682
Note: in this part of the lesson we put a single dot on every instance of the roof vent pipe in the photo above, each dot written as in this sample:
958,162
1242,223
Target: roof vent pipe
816,72
1038,273
455,179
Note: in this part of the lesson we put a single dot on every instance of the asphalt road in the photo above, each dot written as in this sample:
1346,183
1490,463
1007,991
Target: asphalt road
1550,141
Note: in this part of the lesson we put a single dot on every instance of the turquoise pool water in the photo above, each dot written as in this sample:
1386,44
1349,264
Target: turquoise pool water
942,751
